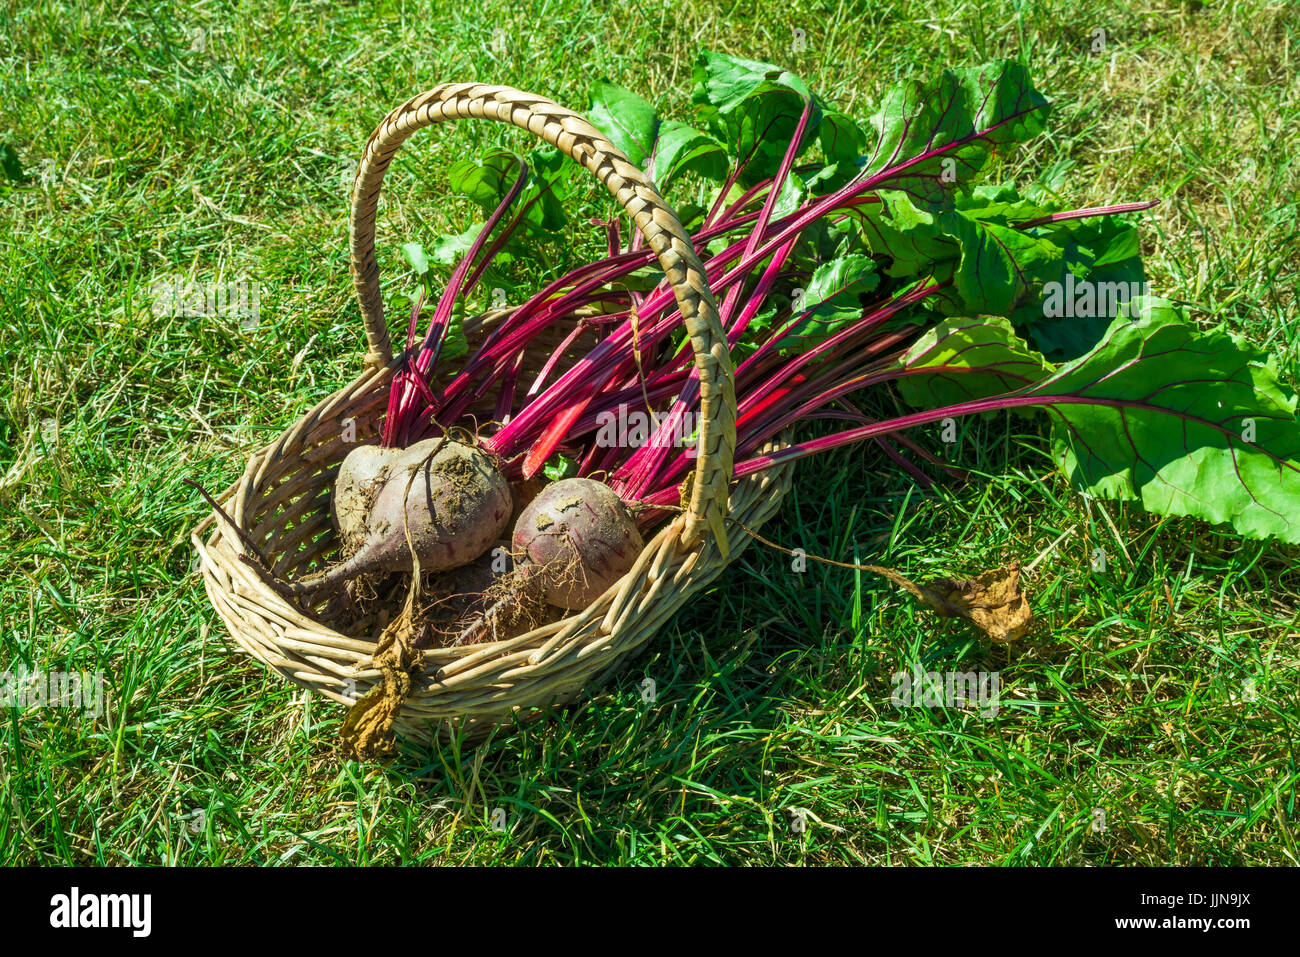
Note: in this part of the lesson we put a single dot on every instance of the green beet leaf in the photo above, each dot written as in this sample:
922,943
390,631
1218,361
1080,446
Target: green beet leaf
934,138
961,359
628,120
830,302
682,148
994,267
754,108
665,149
1100,269
488,179
840,138
1187,423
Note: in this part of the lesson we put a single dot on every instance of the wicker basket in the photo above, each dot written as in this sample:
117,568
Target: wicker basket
282,500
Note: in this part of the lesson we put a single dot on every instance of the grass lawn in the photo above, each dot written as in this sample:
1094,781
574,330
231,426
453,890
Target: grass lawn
1150,718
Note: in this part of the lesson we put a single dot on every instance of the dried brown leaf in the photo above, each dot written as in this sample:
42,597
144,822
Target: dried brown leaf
992,601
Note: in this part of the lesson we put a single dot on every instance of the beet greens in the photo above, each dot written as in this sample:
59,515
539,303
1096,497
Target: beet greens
850,263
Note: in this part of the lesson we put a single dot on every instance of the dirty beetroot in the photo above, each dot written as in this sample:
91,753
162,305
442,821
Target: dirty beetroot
438,503
575,540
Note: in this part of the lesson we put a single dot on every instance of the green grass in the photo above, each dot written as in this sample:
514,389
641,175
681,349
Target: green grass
1162,690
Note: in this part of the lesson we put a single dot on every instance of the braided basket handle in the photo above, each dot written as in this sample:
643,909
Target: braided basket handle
663,232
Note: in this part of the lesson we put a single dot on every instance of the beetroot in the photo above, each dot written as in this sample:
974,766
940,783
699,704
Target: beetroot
449,496
575,540
360,477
